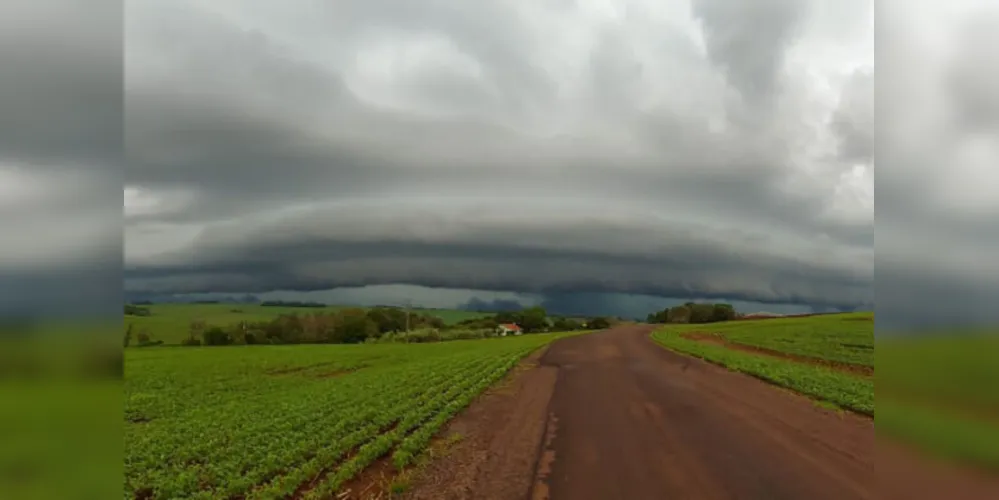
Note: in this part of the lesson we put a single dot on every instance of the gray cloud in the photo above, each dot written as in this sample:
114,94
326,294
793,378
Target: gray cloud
540,148
937,150
748,40
60,158
854,120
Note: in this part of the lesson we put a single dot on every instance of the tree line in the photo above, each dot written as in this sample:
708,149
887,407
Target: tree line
377,324
694,313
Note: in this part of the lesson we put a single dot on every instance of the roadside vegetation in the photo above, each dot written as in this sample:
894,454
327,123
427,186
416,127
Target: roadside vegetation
843,338
935,391
298,421
847,391
939,392
693,312
215,324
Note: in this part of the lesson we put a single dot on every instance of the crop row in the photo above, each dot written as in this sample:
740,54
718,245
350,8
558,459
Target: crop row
847,391
445,405
226,424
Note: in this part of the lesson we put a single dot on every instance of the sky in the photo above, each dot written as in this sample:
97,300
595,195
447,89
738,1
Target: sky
582,154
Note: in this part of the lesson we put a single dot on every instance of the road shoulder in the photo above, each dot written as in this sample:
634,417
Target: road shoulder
493,445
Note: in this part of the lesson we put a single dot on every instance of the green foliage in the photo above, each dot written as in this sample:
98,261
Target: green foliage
845,338
258,423
171,322
692,312
945,433
598,324
846,391
144,340
216,336
533,319
956,371
134,310
191,341
566,325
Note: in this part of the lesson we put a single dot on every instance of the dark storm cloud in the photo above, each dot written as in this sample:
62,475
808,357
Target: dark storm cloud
468,146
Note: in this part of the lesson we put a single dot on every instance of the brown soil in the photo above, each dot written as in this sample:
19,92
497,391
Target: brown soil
334,373
500,434
613,415
714,338
638,421
904,474
295,369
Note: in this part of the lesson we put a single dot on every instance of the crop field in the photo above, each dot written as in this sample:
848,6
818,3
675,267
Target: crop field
263,422
939,392
170,322
845,338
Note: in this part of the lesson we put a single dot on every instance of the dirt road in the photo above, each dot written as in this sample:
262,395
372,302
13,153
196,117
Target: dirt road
629,419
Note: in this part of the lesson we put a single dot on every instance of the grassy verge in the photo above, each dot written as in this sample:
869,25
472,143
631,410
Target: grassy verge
940,433
939,394
843,390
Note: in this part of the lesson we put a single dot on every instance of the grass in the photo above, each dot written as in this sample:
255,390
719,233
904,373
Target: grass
956,371
843,390
262,421
845,338
170,322
937,393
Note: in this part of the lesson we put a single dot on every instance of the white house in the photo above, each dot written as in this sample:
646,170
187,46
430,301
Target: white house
509,329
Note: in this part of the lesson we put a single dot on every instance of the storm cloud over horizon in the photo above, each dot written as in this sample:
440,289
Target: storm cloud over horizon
680,149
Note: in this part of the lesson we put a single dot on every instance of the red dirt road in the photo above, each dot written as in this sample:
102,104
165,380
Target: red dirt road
629,419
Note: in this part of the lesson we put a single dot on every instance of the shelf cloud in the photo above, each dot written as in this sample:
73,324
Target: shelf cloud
672,149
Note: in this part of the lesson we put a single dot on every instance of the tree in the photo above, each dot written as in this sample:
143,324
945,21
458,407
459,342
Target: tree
354,327
216,336
195,330
658,316
678,314
388,319
533,319
598,324
565,325
723,312
701,313
505,317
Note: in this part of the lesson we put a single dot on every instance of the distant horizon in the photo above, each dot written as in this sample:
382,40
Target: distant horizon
612,305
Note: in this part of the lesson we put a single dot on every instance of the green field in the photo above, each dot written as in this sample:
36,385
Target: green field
845,338
940,392
937,393
844,390
258,422
170,322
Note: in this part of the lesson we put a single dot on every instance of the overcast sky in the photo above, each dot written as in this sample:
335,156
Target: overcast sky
678,149
516,149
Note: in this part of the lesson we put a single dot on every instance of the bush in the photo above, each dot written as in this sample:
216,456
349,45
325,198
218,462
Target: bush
217,336
190,341
598,324
133,310
145,340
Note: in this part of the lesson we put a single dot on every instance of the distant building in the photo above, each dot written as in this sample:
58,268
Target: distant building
509,329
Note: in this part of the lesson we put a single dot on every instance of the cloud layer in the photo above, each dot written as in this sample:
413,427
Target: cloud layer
676,149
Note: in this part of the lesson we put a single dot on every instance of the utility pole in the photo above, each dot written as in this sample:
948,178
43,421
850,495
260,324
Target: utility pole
408,305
